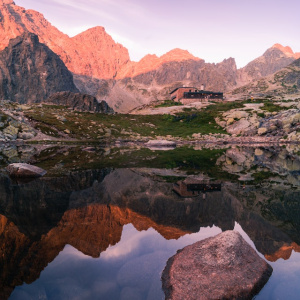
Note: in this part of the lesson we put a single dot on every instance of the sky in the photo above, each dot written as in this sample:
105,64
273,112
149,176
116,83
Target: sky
213,30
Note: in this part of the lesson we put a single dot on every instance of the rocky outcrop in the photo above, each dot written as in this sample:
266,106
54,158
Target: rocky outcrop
283,123
31,72
80,102
12,129
22,170
221,267
243,121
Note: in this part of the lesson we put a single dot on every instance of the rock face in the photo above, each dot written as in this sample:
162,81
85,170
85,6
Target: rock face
31,72
80,102
24,170
285,81
103,58
92,53
274,59
152,62
188,70
154,77
221,267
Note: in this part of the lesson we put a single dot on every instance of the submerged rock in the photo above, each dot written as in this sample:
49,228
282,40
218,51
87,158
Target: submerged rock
24,170
221,267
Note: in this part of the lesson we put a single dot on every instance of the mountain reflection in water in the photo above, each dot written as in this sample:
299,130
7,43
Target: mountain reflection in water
107,234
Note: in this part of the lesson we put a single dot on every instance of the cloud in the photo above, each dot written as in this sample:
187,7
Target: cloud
131,240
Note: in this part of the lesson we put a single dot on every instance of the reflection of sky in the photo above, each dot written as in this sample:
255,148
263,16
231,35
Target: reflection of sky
284,282
129,270
132,270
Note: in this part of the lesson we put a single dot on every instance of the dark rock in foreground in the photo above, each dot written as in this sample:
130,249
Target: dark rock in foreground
221,267
24,170
30,72
80,102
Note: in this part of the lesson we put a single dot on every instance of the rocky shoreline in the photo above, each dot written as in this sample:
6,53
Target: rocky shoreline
211,139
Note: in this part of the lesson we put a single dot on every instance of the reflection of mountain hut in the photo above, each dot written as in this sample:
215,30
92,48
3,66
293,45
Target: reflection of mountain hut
195,188
187,95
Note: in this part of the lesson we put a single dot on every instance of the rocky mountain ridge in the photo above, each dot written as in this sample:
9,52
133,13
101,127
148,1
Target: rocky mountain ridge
104,70
284,83
154,77
287,50
274,59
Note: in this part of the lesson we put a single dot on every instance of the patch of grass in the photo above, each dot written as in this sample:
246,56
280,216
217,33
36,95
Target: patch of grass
47,130
260,176
3,118
271,107
169,103
94,126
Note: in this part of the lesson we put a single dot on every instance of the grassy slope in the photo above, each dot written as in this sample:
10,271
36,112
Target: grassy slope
82,125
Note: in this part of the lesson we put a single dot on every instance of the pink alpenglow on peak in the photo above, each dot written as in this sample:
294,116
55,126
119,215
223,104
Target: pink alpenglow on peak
7,2
178,55
287,50
152,62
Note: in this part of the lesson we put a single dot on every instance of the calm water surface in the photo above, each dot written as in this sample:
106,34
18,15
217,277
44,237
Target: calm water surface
107,231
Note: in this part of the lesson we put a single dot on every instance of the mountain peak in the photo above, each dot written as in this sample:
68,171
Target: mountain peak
91,53
178,54
93,31
7,2
285,49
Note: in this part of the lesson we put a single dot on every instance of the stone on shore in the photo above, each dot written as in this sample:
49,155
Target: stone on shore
221,267
161,144
24,170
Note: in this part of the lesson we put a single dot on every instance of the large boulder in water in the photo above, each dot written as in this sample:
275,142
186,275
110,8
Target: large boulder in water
22,170
220,267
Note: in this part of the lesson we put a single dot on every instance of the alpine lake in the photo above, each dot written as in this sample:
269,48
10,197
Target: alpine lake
103,221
